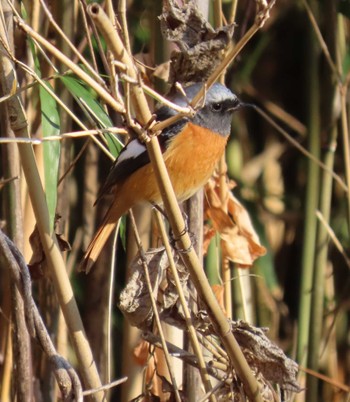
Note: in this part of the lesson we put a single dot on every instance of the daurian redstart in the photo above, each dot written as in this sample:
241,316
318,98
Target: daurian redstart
191,149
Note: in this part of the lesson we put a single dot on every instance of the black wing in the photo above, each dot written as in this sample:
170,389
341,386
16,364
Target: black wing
134,155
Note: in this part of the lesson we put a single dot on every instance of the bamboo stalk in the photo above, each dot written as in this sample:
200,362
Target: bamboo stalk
21,345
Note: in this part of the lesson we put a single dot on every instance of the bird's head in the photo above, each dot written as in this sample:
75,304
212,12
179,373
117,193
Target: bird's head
216,110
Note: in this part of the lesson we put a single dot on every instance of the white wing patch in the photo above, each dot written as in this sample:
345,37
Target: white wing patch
132,150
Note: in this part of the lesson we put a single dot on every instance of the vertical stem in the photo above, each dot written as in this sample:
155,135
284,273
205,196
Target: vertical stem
5,391
225,265
346,145
311,201
123,21
193,383
317,299
22,354
233,11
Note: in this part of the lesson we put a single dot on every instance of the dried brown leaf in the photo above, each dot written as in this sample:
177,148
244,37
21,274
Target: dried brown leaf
240,243
141,351
266,357
200,44
208,234
135,302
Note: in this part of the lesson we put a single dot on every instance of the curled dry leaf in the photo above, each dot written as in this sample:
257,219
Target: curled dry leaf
135,302
149,360
141,352
266,357
240,243
208,234
199,43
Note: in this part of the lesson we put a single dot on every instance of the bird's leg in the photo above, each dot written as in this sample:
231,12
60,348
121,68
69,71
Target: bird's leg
174,239
160,209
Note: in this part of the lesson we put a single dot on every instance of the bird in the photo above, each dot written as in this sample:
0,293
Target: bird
191,148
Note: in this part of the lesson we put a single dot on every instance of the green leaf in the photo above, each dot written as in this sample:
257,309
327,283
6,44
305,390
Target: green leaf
89,103
50,123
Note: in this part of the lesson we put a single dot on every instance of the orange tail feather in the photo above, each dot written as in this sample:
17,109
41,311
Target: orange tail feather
96,245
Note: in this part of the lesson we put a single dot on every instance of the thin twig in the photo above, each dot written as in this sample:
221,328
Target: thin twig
322,42
233,11
88,37
331,381
62,104
208,394
346,143
181,354
212,340
64,136
185,111
225,265
74,67
105,387
124,24
97,38
334,238
214,349
304,151
78,54
110,301
262,15
277,111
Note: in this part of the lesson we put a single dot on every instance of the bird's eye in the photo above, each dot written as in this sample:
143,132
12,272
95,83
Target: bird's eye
216,107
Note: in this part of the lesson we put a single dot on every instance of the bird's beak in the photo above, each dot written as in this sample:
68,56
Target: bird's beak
240,105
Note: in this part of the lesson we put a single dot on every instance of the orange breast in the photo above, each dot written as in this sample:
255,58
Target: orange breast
190,159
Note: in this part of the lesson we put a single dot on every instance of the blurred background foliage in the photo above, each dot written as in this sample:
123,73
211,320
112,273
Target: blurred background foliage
300,288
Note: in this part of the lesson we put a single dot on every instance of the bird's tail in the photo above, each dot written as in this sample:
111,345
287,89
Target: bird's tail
102,235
